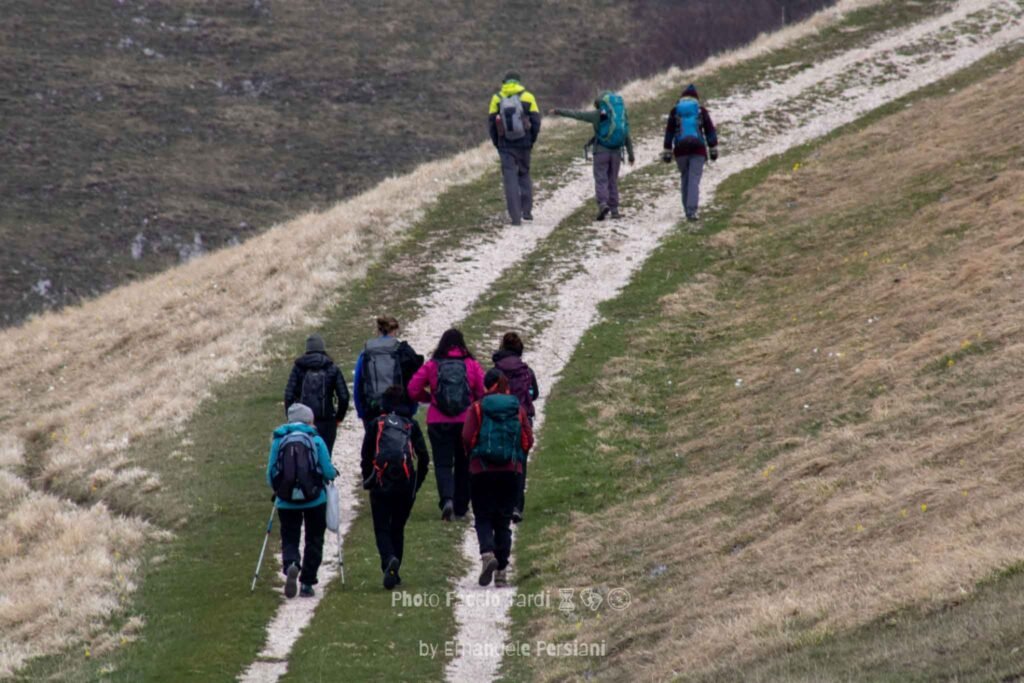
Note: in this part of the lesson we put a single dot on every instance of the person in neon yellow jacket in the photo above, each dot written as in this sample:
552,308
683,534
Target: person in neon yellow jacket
514,123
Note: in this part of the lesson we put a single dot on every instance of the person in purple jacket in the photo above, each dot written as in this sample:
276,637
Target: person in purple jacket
450,382
523,385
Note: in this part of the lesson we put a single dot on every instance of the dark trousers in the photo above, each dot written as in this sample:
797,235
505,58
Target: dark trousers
451,466
291,529
328,431
515,175
606,177
494,494
691,168
521,490
390,510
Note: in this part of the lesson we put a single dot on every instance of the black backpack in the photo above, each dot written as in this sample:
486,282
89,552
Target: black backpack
381,369
316,392
452,396
297,477
392,459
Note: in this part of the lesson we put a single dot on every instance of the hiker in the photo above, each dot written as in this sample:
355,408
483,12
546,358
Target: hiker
690,137
388,474
522,383
384,361
611,136
299,466
514,123
450,381
316,382
498,437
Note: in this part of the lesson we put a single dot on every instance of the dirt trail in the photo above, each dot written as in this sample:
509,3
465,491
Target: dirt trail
840,93
845,88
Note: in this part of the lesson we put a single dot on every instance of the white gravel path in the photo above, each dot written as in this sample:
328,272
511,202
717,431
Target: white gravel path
483,624
606,271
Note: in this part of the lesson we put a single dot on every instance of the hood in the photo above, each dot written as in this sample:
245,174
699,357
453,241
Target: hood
507,360
295,427
509,88
313,360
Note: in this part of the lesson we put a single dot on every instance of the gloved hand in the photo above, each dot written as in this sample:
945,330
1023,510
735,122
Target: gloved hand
370,483
666,155
632,159
714,154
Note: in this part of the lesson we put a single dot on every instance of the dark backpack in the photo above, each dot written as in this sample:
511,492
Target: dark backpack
297,477
316,392
453,396
520,384
392,459
381,369
499,441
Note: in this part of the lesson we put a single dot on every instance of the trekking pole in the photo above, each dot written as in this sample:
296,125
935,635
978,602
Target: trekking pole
270,523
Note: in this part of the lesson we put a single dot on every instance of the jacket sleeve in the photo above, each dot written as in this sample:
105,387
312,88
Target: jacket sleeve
710,133
357,387
534,124
526,433
471,428
341,390
324,457
629,146
492,111
592,117
271,460
475,375
534,387
418,384
366,454
292,388
670,129
419,445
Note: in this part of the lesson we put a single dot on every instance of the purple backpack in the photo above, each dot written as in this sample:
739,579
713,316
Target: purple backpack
520,380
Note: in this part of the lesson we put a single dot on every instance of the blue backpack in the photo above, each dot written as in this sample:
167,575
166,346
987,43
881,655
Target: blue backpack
688,121
614,126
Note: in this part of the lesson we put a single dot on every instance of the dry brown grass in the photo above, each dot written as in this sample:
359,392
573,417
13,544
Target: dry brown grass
882,474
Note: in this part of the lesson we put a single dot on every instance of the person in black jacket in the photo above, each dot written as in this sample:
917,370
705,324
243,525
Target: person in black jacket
392,497
318,383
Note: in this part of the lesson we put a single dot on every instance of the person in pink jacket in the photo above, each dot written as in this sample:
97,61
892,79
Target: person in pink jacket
450,382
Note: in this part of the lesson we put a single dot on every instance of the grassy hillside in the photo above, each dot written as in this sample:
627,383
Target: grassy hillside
794,440
136,135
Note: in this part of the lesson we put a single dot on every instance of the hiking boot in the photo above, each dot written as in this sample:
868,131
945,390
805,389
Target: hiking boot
391,573
527,216
602,211
500,578
291,581
615,214
517,515
489,564
306,591
447,511
517,223
692,218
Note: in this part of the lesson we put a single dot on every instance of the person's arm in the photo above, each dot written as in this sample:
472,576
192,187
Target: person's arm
471,428
271,461
591,116
534,387
710,132
324,456
492,126
366,453
533,111
629,149
419,445
292,388
409,361
419,383
341,390
357,387
526,433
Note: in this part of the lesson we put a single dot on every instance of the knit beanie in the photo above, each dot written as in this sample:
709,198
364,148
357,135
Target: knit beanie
315,342
511,76
297,412
691,91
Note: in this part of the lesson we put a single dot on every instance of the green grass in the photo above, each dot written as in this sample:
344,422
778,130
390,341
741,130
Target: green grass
574,463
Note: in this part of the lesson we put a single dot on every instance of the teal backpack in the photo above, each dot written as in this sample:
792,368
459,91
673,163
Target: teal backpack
499,442
688,121
614,126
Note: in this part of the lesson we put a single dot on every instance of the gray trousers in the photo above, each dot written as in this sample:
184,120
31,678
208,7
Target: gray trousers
691,168
515,175
606,177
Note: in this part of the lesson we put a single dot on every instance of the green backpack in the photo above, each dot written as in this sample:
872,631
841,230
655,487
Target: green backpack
499,441
614,126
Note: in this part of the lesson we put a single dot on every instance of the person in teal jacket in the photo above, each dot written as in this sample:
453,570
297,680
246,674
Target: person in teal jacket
292,515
